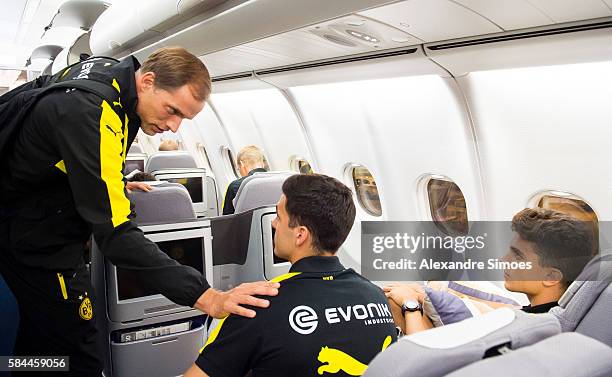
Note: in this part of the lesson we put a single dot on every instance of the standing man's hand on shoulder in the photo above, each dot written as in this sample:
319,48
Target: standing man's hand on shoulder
220,304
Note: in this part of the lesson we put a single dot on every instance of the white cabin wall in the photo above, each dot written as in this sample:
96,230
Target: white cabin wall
400,129
213,137
262,117
543,128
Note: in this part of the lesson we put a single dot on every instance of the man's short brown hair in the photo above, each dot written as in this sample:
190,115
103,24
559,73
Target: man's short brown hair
322,204
174,67
561,241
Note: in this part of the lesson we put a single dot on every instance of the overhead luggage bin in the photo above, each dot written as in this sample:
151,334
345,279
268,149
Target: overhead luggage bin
78,14
206,28
73,54
126,24
48,52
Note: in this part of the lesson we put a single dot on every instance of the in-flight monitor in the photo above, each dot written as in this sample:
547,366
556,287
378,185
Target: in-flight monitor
134,162
194,181
273,265
129,299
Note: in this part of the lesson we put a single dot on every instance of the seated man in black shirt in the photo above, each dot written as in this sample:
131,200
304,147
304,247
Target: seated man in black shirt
250,160
327,319
557,246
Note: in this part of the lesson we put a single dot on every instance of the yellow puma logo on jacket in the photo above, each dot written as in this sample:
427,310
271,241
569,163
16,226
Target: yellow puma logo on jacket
338,360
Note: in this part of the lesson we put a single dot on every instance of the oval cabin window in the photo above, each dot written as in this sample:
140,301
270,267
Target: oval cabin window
571,206
574,207
304,167
447,206
367,192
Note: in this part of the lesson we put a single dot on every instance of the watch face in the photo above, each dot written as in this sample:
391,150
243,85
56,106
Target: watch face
411,305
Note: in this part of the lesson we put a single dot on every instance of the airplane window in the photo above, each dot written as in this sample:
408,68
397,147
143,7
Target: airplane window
573,207
202,151
301,165
229,157
447,206
367,192
304,167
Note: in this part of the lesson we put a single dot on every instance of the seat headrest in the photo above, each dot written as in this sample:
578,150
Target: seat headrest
135,148
579,298
447,348
563,355
166,202
260,189
170,160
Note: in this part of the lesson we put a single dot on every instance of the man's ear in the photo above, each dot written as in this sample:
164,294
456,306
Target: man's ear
147,80
302,235
553,277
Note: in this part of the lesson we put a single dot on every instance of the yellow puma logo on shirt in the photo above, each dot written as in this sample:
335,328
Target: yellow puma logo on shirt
337,360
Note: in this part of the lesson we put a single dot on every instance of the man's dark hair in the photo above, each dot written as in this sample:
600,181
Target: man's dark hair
142,177
561,241
323,205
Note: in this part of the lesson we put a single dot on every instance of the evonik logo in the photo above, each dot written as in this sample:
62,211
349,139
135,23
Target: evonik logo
303,319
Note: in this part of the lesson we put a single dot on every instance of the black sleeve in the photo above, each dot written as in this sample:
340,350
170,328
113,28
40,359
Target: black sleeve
232,190
233,347
92,141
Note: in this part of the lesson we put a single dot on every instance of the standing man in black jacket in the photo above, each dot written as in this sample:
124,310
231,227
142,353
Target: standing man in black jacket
63,181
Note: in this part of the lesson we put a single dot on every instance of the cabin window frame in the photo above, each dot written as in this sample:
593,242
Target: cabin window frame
534,199
426,209
294,164
229,162
201,149
349,179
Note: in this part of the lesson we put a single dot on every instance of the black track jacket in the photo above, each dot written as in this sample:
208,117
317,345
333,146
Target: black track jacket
63,181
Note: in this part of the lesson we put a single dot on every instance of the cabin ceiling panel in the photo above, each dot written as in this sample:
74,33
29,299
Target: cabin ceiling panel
310,44
509,14
573,10
10,19
433,20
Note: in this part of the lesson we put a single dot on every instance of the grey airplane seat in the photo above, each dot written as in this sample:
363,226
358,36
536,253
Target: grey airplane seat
170,160
135,148
136,323
166,202
441,350
260,189
563,355
586,305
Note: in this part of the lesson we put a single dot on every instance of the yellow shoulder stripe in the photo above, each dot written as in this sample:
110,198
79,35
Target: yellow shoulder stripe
286,276
65,72
61,166
116,85
111,164
214,334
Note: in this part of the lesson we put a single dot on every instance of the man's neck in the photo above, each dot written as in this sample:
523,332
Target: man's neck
297,255
544,297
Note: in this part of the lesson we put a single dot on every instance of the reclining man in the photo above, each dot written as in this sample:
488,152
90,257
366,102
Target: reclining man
326,318
557,245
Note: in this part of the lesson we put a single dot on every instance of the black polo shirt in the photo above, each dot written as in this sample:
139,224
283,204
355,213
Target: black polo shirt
326,320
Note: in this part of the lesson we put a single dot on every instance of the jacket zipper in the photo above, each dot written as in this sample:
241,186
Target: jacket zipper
60,277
